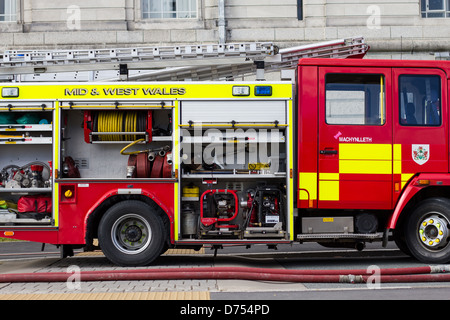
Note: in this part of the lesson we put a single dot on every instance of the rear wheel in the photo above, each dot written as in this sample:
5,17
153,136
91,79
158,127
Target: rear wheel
131,233
427,231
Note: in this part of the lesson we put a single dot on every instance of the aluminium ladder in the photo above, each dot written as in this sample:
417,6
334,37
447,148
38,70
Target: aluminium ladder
171,63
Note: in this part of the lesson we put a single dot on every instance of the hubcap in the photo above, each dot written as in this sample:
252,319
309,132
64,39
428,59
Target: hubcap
433,232
131,234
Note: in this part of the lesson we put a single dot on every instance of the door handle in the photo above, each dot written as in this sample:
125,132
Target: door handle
328,151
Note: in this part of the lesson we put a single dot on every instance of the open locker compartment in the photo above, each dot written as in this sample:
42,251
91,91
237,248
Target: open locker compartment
26,157
109,144
234,180
230,208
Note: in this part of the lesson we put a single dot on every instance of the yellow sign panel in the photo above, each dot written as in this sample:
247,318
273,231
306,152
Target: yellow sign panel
258,166
136,90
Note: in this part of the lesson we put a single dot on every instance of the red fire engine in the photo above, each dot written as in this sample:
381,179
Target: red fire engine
356,153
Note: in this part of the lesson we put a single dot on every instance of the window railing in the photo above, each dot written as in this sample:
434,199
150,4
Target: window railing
169,9
8,10
435,8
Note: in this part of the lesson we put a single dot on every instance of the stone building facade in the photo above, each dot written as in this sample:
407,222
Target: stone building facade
394,28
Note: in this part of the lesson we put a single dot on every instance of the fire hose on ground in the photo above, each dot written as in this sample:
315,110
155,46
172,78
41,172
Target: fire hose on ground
392,275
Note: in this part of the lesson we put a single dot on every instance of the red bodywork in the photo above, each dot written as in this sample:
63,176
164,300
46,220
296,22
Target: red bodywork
90,195
389,191
87,196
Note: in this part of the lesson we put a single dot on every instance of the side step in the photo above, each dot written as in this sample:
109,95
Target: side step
340,236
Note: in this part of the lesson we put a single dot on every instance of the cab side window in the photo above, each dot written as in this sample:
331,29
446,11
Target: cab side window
355,99
420,100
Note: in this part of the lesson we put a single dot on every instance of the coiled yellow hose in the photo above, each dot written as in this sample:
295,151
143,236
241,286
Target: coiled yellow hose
113,121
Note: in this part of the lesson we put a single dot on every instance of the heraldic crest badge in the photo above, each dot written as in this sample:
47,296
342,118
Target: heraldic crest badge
420,153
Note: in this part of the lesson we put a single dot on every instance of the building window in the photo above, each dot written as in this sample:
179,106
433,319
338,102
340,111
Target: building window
169,9
8,10
435,8
357,99
300,9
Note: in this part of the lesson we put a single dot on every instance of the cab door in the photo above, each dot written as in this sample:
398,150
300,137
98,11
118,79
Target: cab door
355,138
420,128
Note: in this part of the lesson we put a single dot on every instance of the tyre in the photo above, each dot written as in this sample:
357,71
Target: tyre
401,243
131,233
427,231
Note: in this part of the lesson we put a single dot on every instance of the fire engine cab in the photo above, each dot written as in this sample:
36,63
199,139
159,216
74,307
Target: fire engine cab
373,152
351,151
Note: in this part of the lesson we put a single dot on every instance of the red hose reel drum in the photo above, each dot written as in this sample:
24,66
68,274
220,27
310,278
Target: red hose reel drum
160,167
143,166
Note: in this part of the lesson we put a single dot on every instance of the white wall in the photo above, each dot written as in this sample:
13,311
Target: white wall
391,28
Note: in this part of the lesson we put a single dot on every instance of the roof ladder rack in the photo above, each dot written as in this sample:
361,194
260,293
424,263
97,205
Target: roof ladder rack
171,63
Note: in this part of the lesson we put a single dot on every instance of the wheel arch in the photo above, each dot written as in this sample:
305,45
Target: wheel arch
416,197
98,210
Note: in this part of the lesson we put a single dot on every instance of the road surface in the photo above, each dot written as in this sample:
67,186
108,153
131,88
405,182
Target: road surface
18,257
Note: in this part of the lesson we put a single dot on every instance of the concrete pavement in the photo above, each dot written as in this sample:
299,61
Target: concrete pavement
153,289
197,289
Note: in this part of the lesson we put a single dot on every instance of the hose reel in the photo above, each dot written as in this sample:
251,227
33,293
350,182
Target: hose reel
114,125
125,126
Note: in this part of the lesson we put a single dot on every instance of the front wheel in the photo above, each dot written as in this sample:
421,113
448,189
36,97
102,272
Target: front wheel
131,233
427,231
